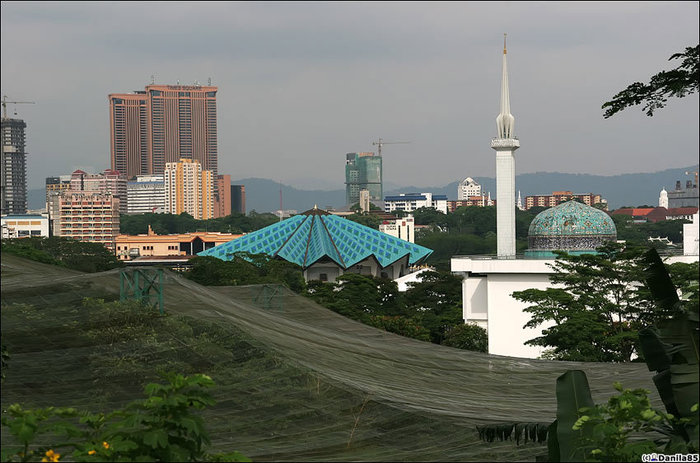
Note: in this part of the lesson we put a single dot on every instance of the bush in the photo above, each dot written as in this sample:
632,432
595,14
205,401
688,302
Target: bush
468,336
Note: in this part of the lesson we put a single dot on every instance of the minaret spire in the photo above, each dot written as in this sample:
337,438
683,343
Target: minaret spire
505,122
505,145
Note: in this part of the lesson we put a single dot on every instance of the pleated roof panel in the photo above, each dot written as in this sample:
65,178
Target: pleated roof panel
306,238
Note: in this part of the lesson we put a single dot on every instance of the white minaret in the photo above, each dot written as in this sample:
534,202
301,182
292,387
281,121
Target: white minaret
505,145
663,198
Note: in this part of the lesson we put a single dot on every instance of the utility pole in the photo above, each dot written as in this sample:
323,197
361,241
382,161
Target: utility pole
5,103
381,143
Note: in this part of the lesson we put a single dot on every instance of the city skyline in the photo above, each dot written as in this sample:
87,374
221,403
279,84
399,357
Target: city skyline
301,85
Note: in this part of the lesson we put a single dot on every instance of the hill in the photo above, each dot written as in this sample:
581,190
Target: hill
263,195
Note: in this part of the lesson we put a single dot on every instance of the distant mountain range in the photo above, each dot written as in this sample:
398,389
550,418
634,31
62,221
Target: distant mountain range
263,195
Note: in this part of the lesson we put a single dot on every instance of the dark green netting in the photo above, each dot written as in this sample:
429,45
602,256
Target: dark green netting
294,381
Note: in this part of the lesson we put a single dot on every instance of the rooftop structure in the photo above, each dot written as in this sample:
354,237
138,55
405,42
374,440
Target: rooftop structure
571,226
327,246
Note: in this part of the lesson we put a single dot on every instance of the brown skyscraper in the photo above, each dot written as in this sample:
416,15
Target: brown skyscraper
163,124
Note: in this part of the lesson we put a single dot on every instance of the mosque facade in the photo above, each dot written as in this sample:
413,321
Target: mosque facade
489,282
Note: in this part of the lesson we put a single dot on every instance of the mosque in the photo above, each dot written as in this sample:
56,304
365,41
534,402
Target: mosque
327,246
488,282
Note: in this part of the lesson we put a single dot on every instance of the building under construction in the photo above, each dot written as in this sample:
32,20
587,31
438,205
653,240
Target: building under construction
363,171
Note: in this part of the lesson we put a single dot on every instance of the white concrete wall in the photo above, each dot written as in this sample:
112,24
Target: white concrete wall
487,288
690,237
506,317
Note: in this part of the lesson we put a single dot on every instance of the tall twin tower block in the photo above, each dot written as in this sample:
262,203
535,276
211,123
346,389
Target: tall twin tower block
163,124
505,145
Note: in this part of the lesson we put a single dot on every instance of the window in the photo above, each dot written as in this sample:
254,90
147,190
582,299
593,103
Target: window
323,277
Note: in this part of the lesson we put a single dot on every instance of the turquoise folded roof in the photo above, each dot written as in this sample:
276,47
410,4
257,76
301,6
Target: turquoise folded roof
308,237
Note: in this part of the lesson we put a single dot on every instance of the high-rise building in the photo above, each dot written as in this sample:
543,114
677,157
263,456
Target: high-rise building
146,194
222,196
88,216
189,188
56,185
238,198
163,124
505,145
363,171
108,182
13,189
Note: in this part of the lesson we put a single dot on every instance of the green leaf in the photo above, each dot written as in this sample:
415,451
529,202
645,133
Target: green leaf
553,451
573,394
156,438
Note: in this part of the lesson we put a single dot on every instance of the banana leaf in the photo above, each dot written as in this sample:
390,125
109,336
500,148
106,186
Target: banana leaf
671,348
573,394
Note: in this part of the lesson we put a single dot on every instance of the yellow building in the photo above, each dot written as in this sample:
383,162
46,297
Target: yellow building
129,247
189,189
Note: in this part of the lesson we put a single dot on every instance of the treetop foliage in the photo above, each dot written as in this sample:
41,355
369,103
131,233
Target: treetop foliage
65,252
679,82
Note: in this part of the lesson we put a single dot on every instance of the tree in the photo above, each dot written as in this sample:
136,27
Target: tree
246,269
596,308
435,302
467,336
67,252
679,82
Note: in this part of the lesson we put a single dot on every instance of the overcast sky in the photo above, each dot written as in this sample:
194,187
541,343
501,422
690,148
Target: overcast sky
303,83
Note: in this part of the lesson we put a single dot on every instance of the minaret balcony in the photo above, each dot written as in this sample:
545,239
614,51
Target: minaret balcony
505,143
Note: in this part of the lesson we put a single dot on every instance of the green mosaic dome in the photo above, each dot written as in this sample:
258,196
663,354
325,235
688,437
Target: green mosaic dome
570,226
307,238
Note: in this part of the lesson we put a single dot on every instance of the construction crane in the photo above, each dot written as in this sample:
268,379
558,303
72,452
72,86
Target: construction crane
5,102
381,143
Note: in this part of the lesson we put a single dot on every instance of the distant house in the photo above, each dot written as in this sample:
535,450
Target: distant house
657,214
130,247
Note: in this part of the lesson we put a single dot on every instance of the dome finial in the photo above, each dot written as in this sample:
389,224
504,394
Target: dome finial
504,43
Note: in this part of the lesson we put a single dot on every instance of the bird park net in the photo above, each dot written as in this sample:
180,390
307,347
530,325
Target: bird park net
294,381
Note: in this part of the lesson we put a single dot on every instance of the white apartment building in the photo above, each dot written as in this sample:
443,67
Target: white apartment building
409,202
146,195
403,229
468,188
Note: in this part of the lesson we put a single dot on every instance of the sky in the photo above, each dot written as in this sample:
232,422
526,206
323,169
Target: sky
303,83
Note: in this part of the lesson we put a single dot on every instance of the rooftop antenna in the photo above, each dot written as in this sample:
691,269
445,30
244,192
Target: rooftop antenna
209,81
153,79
